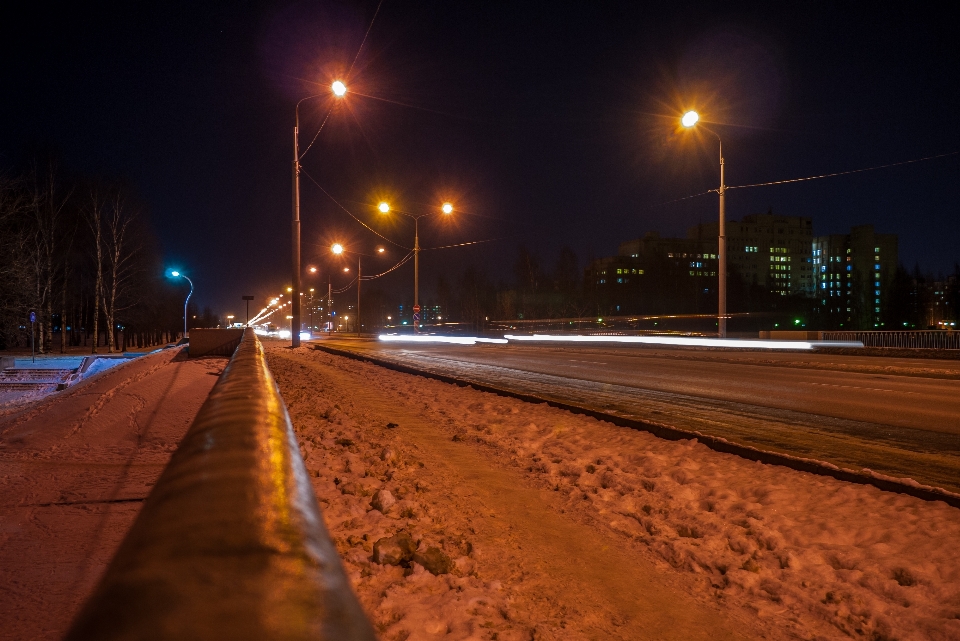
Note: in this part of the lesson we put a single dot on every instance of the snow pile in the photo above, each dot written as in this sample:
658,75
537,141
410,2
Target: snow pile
807,556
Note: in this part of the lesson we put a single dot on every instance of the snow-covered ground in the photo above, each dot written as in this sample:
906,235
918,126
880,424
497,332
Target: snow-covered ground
562,526
74,469
11,400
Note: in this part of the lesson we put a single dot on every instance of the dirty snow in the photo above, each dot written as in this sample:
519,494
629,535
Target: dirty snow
784,554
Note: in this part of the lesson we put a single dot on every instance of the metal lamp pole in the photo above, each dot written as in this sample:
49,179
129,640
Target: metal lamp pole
447,209
688,120
339,90
295,229
722,255
184,276
358,294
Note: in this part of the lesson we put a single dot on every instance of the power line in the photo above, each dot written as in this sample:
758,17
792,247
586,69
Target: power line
337,203
843,173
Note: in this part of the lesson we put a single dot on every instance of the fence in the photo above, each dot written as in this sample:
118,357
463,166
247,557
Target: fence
230,543
925,339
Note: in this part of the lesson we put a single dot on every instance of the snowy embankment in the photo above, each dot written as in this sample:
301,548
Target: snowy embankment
793,554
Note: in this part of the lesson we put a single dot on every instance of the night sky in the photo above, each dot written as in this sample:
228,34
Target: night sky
546,124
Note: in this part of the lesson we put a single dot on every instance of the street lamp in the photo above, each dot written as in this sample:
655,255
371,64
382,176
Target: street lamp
177,274
688,120
446,209
338,250
339,90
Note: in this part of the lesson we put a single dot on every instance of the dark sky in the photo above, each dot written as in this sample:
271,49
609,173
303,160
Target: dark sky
547,124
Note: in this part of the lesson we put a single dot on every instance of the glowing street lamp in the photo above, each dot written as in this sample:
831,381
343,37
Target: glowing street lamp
339,250
339,90
447,209
689,120
177,274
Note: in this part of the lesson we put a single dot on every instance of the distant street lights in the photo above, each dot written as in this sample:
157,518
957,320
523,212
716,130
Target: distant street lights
446,209
688,120
339,90
338,250
177,274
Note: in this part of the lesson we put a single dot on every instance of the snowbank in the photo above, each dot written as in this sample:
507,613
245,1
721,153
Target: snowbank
805,556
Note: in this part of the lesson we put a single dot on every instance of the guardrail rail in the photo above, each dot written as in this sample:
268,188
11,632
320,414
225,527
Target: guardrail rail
230,543
913,339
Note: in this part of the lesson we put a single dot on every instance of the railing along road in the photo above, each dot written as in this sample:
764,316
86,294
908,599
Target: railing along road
230,543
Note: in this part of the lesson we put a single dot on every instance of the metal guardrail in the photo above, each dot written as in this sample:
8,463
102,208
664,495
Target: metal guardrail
923,339
230,543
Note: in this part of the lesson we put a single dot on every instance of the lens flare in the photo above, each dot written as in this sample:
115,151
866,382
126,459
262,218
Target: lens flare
690,119
447,208
337,248
384,208
339,89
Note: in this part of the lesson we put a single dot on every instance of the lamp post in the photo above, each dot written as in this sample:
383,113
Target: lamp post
338,250
688,120
176,274
446,209
247,299
339,90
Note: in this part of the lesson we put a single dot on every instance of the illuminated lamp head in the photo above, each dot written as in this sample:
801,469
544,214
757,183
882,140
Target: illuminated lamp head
689,119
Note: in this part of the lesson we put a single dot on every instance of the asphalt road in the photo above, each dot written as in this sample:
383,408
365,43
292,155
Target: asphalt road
899,417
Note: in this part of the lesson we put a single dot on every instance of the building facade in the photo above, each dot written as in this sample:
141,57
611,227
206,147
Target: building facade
767,250
654,275
854,272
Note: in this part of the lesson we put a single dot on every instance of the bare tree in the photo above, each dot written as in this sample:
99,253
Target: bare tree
121,250
49,199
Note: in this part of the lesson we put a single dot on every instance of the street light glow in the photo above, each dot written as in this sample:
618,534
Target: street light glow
312,270
175,274
380,250
337,248
447,208
384,208
690,119
339,89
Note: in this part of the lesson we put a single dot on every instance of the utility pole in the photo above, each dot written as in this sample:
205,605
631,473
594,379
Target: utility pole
295,234
722,256
247,299
358,295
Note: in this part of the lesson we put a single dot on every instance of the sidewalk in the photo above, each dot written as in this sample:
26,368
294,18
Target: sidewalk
74,469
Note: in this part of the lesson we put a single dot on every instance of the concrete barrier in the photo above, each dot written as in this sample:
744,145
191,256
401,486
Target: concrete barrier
230,543
791,335
214,342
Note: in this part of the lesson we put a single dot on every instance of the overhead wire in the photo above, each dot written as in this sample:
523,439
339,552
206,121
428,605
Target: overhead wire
403,261
796,180
473,242
349,213
844,173
364,41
